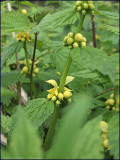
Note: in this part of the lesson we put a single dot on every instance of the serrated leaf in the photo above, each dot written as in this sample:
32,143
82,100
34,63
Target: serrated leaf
25,142
95,59
109,14
8,78
5,3
6,96
112,29
88,142
73,120
27,3
58,19
38,110
14,21
113,135
5,123
9,50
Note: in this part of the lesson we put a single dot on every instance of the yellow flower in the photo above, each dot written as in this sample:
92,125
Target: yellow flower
103,126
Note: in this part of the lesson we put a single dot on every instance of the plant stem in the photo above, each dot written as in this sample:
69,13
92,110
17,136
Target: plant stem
51,128
61,88
26,56
33,60
80,25
104,92
18,5
93,30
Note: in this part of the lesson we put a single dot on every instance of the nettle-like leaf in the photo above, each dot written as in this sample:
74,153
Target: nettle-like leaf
6,96
73,119
38,110
113,135
8,78
25,142
109,14
5,3
14,21
27,3
5,123
58,19
112,29
10,49
95,60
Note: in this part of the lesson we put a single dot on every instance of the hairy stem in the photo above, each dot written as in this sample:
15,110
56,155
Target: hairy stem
61,88
93,30
104,92
26,56
31,73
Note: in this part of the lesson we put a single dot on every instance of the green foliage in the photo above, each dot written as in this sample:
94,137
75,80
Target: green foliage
109,14
112,29
113,135
58,19
5,3
68,139
10,49
38,110
8,78
27,3
25,146
6,96
14,21
5,123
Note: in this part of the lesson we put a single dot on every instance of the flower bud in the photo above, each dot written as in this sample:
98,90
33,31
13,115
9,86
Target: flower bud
105,143
60,96
25,69
70,34
24,11
33,75
69,100
66,38
117,101
54,98
83,44
84,39
83,12
78,37
78,3
36,70
113,108
108,107
67,94
85,5
70,47
104,134
79,8
103,126
49,96
22,39
75,45
57,102
69,41
111,101
111,96
92,12
91,6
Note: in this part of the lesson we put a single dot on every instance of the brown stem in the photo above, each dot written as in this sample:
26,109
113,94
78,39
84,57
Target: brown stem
104,92
19,83
41,56
93,30
33,60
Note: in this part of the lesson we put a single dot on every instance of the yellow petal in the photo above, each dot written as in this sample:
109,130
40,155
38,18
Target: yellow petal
49,90
67,89
69,79
56,92
53,83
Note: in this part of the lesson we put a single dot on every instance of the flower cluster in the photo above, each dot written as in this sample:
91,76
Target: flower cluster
104,129
112,104
57,96
73,41
85,7
25,68
24,11
23,36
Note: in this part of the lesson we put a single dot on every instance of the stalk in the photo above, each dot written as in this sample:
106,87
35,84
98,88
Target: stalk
26,56
61,87
93,30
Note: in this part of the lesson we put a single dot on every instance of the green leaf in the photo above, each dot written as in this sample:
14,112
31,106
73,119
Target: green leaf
14,21
5,3
5,123
113,135
6,96
112,29
25,142
10,49
58,19
88,142
94,59
8,78
27,3
109,14
38,110
74,118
